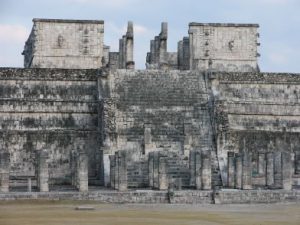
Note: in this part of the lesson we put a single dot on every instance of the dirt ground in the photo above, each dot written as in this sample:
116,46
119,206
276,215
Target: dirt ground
64,213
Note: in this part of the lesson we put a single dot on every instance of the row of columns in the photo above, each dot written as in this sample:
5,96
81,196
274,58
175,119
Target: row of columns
276,167
158,176
200,170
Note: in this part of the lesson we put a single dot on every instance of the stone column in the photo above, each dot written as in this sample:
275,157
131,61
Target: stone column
116,178
129,46
42,170
29,185
277,170
192,167
155,170
106,169
270,169
297,162
286,170
231,170
262,164
239,170
83,178
121,54
198,170
4,171
150,168
73,167
187,138
112,170
162,174
206,170
247,171
147,139
163,36
122,171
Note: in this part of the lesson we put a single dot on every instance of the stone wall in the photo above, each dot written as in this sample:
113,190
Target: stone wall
48,109
223,47
257,113
69,44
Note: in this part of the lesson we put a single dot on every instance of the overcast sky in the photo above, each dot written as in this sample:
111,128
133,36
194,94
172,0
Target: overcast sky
279,24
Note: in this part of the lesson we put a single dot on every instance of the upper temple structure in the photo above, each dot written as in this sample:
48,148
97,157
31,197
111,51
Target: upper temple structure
203,120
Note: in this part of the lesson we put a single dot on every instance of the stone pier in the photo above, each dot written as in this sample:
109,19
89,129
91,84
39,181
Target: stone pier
4,171
231,170
206,171
150,168
163,182
247,171
198,169
286,170
82,172
42,170
270,169
112,159
239,170
122,171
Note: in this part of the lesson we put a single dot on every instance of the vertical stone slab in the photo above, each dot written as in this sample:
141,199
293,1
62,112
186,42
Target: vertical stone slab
116,171
4,171
112,170
286,170
198,170
261,164
163,45
187,144
192,167
83,178
277,170
162,174
247,171
29,185
43,170
231,170
121,55
239,170
106,169
155,170
297,162
206,170
73,167
129,46
270,169
122,171
148,145
150,168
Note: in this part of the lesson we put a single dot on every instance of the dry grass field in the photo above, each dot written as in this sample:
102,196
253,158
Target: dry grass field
64,213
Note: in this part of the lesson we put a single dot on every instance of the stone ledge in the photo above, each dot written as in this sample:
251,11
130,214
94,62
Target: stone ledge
68,21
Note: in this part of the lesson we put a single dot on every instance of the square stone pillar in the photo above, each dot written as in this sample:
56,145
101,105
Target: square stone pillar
187,144
155,170
106,169
150,168
73,167
162,174
116,186
42,170
206,170
238,170
247,171
270,169
286,170
192,167
83,178
148,145
277,170
297,162
231,170
262,164
198,170
112,159
4,171
122,167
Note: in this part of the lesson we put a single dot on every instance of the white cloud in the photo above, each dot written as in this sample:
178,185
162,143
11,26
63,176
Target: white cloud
13,33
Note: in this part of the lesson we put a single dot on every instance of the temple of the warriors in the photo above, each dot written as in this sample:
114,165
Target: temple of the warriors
200,125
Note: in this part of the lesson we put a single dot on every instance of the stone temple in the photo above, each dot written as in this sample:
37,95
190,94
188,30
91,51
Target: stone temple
200,125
